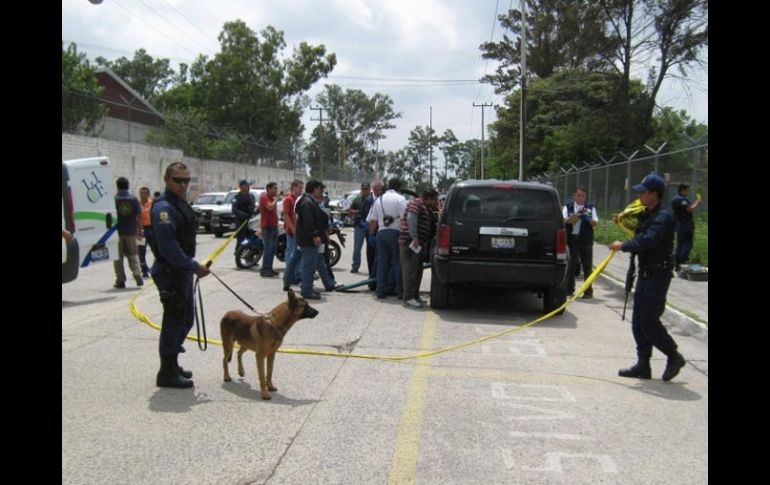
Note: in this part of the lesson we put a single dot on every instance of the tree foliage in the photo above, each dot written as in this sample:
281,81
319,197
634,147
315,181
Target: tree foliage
571,119
561,34
80,108
249,91
358,121
604,36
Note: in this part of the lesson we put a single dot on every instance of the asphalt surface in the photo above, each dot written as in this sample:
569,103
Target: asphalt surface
540,405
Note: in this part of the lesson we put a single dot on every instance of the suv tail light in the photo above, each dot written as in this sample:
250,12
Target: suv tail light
561,244
444,236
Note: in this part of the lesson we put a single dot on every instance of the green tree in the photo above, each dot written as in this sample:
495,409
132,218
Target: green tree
561,34
359,121
248,91
146,75
570,119
248,88
322,151
80,108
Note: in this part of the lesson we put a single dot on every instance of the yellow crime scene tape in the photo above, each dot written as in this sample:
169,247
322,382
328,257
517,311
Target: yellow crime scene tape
139,315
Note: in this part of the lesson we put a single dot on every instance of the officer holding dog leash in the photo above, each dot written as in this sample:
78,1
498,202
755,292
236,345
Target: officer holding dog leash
174,228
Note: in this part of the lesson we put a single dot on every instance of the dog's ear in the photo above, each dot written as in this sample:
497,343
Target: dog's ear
292,298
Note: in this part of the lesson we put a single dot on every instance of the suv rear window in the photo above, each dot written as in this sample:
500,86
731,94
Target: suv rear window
503,204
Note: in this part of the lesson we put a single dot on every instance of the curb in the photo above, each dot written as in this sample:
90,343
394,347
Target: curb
671,315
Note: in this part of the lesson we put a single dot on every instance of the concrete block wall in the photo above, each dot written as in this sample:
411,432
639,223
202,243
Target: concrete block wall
144,165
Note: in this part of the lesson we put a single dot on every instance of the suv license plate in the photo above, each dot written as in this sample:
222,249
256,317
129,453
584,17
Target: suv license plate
100,254
503,242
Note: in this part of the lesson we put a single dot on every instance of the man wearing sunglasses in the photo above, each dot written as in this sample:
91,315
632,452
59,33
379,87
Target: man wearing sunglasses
174,228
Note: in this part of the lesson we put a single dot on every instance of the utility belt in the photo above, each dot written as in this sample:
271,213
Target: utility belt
653,269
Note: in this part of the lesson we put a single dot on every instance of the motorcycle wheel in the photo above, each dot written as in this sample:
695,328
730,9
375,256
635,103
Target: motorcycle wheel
247,256
334,252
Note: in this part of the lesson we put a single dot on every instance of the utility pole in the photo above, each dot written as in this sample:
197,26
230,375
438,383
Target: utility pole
320,121
523,108
430,144
482,106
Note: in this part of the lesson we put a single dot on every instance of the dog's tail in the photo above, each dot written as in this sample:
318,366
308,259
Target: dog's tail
226,332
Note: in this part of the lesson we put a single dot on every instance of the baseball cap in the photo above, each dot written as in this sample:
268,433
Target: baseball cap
652,182
365,186
244,182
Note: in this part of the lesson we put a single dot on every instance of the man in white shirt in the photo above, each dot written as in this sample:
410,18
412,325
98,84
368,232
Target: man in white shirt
580,219
386,214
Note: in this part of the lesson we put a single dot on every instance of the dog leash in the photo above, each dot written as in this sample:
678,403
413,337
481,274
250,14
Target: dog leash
232,291
199,321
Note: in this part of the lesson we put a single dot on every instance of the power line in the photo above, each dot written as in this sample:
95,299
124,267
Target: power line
175,26
153,27
191,22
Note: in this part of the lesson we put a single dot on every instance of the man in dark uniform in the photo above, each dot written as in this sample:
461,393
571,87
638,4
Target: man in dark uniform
243,206
174,227
653,243
685,227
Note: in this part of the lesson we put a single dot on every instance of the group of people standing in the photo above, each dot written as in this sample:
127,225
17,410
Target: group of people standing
397,234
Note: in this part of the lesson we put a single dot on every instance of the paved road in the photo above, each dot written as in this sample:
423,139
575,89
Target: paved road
541,405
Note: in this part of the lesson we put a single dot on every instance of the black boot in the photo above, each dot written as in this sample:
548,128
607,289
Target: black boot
640,370
673,365
168,376
187,374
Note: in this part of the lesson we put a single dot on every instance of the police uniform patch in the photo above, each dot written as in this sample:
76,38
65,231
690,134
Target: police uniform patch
163,216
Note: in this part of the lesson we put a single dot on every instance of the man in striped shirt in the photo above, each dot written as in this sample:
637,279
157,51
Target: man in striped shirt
417,230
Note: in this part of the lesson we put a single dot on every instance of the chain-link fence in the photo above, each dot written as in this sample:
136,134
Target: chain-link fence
609,183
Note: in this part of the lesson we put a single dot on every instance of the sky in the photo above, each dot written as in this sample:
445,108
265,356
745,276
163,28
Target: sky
421,53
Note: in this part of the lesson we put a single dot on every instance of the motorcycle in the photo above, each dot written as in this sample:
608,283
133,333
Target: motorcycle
333,249
249,251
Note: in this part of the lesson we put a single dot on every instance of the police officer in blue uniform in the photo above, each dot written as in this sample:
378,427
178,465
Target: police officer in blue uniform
174,227
653,243
685,227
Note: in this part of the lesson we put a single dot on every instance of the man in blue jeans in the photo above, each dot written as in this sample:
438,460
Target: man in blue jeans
310,235
360,226
268,221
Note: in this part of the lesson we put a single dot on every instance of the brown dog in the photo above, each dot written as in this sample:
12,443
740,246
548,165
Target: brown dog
263,334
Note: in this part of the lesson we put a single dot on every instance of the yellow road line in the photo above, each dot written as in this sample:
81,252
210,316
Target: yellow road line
403,468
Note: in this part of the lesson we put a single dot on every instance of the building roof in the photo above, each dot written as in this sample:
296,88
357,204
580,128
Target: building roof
145,105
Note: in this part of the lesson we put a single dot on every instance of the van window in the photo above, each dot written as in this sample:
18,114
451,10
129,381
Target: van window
492,203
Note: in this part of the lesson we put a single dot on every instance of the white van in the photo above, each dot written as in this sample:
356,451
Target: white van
88,212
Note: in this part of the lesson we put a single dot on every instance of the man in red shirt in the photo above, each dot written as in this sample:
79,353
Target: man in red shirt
268,212
290,224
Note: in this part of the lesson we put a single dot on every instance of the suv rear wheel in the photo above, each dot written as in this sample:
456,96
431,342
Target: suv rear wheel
439,293
553,298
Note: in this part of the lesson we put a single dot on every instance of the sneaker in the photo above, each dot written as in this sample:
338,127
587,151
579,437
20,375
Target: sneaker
268,275
139,281
312,296
413,303
354,270
674,364
119,285
588,295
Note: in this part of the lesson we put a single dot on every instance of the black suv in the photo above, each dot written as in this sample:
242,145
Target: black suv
501,233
